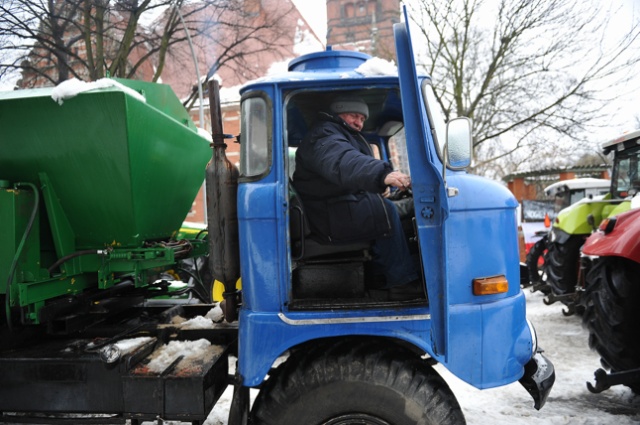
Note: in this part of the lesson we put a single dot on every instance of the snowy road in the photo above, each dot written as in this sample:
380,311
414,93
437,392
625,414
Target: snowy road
570,403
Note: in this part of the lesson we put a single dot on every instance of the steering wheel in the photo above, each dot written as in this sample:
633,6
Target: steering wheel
398,194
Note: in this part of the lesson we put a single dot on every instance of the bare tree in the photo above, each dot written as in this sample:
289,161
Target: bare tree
88,39
534,75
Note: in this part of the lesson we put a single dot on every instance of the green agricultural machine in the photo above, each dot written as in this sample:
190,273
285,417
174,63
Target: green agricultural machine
560,276
87,207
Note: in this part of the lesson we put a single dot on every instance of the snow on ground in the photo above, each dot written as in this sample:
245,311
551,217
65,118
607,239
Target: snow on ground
570,403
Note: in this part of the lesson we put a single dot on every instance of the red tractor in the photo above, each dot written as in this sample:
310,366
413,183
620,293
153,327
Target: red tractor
611,265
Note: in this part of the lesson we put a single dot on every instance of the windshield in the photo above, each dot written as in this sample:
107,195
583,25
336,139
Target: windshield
626,173
436,117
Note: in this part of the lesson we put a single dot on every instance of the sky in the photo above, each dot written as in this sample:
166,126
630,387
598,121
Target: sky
315,13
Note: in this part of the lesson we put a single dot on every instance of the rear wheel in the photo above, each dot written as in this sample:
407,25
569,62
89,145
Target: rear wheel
612,297
356,382
536,273
561,264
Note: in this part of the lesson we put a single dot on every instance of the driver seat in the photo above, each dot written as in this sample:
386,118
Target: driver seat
321,270
306,249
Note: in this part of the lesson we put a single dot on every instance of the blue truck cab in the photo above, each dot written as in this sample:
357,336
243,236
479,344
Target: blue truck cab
317,310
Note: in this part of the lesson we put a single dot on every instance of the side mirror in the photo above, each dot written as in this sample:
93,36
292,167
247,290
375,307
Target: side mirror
459,147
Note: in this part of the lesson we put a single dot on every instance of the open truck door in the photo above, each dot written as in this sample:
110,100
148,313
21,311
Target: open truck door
429,191
467,231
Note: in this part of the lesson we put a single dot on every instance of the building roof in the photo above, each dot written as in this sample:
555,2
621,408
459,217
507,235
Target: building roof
584,169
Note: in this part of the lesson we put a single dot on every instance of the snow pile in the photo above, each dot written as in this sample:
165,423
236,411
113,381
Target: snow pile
197,322
216,314
129,345
73,87
376,67
162,358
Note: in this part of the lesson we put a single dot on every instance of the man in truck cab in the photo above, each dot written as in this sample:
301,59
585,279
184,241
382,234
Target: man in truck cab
342,184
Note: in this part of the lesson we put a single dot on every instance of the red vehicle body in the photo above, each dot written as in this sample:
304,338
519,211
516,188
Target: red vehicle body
618,236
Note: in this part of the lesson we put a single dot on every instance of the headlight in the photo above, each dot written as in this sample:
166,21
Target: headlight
607,225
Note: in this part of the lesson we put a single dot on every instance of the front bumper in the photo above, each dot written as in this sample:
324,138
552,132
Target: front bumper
539,376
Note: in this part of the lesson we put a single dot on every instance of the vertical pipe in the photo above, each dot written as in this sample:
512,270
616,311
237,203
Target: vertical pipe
222,214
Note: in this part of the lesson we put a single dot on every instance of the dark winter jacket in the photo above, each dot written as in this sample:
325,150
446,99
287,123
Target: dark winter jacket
340,183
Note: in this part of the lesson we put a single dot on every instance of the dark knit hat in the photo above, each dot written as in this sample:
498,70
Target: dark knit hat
349,104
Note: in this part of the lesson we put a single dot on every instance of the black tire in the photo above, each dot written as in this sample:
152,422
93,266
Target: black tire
536,252
612,316
357,381
561,264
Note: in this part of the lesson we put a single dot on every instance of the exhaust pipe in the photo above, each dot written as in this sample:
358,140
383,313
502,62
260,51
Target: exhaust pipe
222,213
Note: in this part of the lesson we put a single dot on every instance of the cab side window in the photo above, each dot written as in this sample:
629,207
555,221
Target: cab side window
255,127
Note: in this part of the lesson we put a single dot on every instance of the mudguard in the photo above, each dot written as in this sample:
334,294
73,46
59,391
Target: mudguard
620,237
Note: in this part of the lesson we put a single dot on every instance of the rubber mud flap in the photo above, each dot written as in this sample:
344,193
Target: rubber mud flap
539,376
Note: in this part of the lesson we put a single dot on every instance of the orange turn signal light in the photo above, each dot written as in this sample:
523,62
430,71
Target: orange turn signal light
490,285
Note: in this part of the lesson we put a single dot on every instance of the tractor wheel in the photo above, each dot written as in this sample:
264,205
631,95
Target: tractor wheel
536,275
356,382
612,297
561,265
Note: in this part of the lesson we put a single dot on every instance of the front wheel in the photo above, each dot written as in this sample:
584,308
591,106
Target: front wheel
356,382
612,296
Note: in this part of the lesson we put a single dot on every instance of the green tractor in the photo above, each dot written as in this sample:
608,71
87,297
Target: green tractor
559,276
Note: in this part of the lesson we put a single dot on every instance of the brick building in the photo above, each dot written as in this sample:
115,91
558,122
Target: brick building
363,25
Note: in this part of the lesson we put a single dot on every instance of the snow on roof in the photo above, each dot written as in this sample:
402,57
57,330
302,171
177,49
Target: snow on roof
376,67
626,136
73,87
279,68
230,94
583,183
373,67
